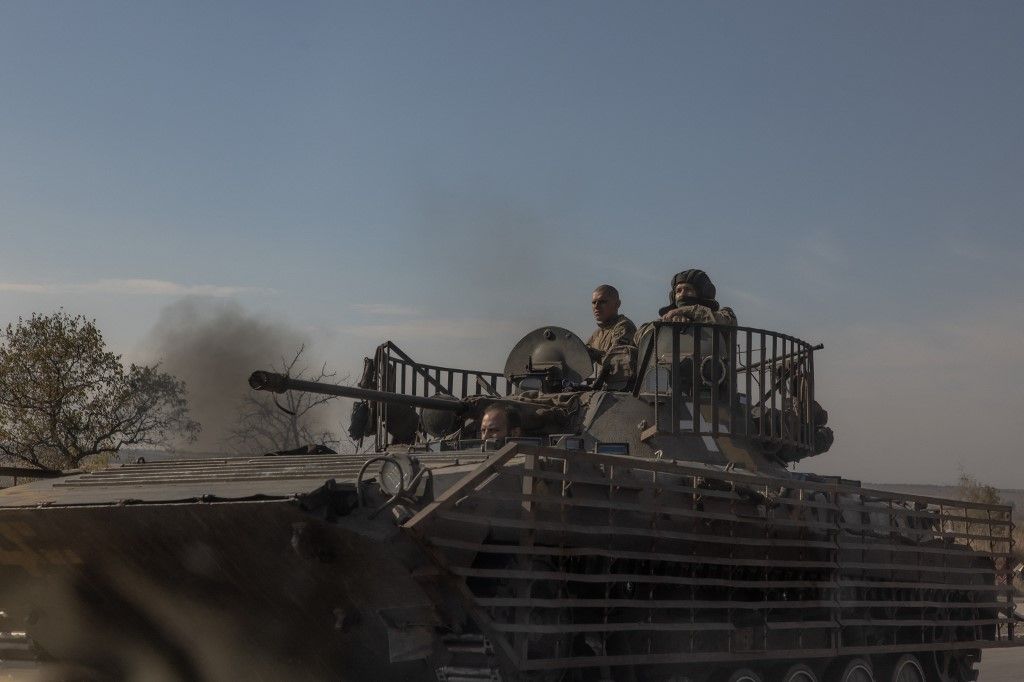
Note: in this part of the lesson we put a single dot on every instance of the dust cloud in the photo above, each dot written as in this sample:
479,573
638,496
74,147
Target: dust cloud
213,346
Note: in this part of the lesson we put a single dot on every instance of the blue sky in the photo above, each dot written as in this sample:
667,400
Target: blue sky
452,174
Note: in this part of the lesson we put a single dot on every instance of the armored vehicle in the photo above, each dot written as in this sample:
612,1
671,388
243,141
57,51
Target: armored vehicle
644,525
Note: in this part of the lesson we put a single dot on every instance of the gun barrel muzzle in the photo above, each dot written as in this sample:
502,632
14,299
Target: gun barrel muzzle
268,381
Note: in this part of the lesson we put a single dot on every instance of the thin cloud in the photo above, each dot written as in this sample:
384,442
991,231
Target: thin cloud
727,296
988,331
390,309
629,269
131,287
461,329
819,258
968,246
910,402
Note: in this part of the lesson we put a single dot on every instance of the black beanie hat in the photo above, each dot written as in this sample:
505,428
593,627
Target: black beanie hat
700,281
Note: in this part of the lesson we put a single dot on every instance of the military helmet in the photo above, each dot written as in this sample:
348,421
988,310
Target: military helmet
701,282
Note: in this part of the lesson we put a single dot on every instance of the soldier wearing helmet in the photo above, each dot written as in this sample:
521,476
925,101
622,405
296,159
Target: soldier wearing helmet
692,298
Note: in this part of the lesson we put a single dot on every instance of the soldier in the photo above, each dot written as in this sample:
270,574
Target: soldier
692,297
500,422
613,329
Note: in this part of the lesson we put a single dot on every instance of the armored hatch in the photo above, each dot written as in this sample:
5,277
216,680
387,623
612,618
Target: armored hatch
548,359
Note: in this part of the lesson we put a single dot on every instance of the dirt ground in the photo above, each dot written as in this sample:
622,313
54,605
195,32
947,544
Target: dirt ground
997,665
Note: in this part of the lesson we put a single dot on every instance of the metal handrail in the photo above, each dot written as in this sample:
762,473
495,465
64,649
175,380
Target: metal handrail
765,392
397,372
761,388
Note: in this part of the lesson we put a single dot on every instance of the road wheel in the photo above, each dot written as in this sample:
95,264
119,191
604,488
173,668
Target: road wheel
854,670
798,672
907,668
954,666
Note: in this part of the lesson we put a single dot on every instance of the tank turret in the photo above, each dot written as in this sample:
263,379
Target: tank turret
713,394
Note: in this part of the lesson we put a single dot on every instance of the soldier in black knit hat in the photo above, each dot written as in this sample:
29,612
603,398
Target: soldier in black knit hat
692,297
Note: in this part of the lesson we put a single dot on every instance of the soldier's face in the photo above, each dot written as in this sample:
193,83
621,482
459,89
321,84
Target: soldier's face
685,290
494,426
605,307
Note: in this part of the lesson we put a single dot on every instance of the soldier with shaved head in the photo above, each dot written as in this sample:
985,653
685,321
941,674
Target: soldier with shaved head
613,329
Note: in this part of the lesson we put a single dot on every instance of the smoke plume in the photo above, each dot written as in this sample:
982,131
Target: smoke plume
214,346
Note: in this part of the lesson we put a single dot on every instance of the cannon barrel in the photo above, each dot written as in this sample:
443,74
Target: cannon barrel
279,383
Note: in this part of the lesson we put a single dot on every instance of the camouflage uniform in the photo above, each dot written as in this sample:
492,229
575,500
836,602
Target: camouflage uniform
705,315
611,347
695,312
613,333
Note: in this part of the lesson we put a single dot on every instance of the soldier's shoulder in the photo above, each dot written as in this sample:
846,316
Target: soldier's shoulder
643,329
726,315
625,323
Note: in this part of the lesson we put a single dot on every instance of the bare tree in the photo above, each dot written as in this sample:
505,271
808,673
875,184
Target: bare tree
65,398
971,489
270,423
